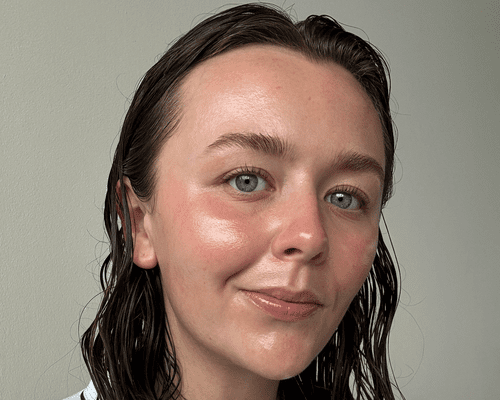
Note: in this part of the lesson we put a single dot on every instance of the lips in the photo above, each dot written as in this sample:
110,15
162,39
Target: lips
283,304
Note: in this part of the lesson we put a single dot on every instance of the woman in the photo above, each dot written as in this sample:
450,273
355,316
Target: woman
243,207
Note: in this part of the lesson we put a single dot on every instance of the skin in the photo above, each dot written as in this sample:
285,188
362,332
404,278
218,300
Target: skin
212,241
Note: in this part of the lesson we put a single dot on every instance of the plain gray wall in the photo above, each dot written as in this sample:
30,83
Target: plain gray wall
67,71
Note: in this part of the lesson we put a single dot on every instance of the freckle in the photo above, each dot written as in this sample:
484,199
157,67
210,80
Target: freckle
278,87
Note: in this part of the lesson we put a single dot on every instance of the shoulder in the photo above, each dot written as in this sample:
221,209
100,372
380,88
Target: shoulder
89,393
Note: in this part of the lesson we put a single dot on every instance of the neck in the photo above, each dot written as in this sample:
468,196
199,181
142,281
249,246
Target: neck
205,377
202,385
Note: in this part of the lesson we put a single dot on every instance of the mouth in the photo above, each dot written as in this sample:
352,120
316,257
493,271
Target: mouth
283,304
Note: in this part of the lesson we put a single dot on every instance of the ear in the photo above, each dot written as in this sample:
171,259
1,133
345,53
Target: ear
144,253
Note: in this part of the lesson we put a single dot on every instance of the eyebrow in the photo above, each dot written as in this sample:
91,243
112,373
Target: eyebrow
281,148
267,144
357,162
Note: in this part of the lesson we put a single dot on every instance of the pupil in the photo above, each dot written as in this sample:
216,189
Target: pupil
342,200
247,183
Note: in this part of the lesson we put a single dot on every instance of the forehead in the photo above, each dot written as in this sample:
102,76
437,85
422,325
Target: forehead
271,70
272,90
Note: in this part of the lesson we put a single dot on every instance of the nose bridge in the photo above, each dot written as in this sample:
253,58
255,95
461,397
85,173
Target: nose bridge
301,234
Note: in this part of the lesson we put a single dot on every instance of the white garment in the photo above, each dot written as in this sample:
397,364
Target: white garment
89,393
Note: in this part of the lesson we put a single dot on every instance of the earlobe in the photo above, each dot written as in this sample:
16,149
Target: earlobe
144,253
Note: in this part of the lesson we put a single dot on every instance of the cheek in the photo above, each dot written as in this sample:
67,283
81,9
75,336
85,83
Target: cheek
214,238
357,250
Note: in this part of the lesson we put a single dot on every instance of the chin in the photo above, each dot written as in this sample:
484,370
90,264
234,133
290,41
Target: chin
280,368
282,354
282,372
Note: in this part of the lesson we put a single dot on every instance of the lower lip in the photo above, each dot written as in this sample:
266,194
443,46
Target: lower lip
280,309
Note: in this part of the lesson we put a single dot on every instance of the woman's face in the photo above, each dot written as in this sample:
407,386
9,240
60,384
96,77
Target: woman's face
265,217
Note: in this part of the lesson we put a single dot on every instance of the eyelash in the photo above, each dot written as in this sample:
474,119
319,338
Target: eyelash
350,190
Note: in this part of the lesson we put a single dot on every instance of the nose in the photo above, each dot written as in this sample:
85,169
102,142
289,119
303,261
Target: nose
300,235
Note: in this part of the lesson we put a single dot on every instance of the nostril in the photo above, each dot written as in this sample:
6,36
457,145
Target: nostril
317,257
291,251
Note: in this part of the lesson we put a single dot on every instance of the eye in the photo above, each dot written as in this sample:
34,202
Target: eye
343,200
248,183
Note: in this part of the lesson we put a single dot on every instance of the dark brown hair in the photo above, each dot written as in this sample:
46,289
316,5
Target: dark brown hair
128,348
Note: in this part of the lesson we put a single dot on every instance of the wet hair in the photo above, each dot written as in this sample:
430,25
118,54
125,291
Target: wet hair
128,348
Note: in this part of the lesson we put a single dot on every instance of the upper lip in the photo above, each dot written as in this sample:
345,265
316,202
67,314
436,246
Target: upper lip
290,296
